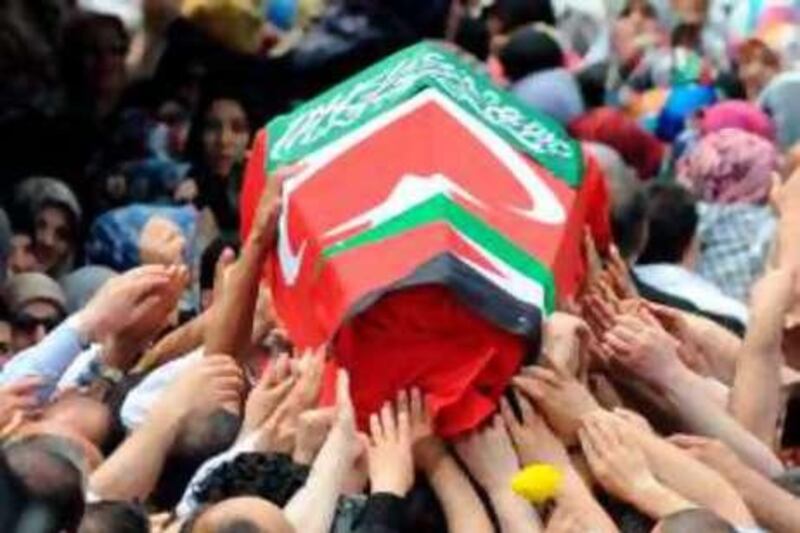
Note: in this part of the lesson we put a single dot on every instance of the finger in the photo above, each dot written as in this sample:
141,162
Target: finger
403,403
543,374
535,390
23,386
508,415
343,389
375,429
525,407
417,407
403,424
388,422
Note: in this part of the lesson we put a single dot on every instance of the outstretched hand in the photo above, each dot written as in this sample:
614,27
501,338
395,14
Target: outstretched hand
391,462
490,456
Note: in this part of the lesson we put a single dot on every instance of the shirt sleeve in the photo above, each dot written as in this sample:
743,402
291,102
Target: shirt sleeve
384,513
48,359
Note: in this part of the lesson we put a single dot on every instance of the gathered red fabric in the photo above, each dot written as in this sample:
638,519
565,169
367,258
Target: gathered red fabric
607,125
426,338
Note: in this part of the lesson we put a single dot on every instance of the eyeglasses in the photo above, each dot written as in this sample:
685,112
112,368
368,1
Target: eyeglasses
29,323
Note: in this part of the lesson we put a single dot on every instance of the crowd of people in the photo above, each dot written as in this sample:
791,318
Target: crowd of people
147,384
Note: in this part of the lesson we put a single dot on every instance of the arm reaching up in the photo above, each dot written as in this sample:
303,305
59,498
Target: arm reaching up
756,394
312,509
463,510
490,457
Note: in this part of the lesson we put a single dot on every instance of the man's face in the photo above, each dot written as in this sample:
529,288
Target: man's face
265,515
5,343
53,236
32,323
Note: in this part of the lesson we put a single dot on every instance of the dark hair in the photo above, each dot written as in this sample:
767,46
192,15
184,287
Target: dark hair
672,212
530,50
116,516
212,93
77,41
52,484
472,35
271,476
513,14
695,521
687,35
629,221
646,6
203,436
209,258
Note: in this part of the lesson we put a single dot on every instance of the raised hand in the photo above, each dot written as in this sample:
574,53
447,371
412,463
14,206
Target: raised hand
312,430
270,391
648,351
533,439
561,398
214,381
19,397
280,429
490,456
617,462
391,462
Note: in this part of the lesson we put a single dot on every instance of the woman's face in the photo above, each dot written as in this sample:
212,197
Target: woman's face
226,133
104,61
21,257
175,117
53,237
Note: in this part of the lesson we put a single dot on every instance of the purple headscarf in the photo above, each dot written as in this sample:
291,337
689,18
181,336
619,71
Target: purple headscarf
730,166
740,115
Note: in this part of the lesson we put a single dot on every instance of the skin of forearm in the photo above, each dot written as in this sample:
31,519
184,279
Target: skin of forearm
463,509
313,507
704,417
774,508
144,453
719,345
693,480
183,340
514,514
658,502
230,328
574,490
756,393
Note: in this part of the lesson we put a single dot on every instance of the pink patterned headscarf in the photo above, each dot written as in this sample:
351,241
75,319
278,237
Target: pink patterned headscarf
730,166
737,114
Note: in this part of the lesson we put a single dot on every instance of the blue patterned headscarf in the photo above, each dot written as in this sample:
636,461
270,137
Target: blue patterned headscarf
114,236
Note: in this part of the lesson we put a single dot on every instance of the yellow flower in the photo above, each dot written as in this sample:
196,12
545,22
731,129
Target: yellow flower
537,483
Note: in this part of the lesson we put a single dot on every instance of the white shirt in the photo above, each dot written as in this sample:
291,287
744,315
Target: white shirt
683,283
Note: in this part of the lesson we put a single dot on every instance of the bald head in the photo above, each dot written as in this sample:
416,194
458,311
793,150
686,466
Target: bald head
241,515
694,521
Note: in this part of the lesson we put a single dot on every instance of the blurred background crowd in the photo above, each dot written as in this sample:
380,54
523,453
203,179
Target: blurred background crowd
125,127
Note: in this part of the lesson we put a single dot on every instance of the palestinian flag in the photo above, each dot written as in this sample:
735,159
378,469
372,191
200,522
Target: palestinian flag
435,222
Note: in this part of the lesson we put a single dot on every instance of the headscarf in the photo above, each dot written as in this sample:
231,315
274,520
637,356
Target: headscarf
682,104
738,114
36,192
114,238
23,289
607,125
553,92
730,166
779,99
